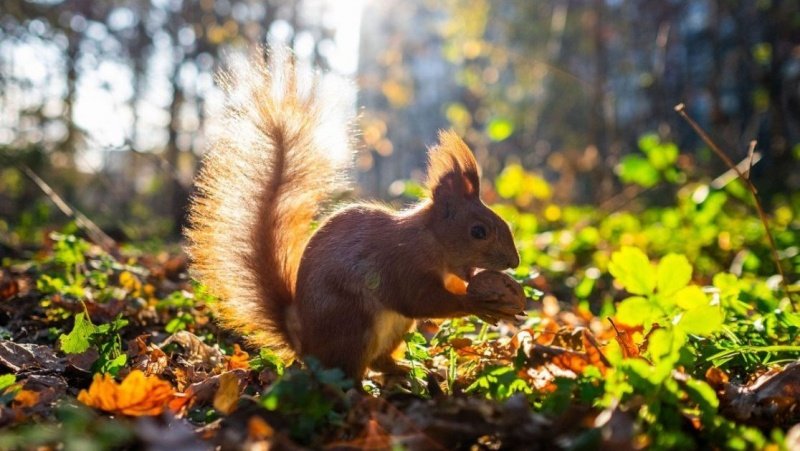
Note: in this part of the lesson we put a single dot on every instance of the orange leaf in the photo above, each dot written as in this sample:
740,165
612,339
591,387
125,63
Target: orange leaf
258,429
571,360
625,339
546,336
594,353
239,359
26,398
717,378
136,395
460,342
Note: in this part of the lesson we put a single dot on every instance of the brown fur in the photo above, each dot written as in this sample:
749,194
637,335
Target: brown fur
348,294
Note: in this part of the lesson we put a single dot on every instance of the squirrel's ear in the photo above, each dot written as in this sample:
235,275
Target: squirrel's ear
452,169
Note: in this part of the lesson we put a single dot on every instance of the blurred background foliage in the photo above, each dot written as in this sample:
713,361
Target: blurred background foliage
568,105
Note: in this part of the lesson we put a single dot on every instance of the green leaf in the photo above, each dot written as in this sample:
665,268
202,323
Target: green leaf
703,320
663,155
701,393
631,267
416,346
674,272
648,141
77,340
268,359
110,364
7,380
691,297
664,344
499,128
635,169
636,311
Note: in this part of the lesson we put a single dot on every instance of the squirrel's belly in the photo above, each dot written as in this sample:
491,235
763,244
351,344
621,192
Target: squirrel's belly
387,333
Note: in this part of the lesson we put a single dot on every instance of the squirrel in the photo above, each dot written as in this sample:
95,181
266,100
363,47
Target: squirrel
347,292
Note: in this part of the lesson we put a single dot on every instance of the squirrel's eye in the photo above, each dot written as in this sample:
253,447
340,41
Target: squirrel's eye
478,232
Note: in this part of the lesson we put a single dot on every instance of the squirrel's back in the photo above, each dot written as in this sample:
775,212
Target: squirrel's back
269,167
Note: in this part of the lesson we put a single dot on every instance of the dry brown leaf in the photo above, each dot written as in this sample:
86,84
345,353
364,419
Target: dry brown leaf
22,357
8,288
148,358
197,352
548,333
717,378
625,340
204,391
460,342
593,352
136,395
772,399
573,361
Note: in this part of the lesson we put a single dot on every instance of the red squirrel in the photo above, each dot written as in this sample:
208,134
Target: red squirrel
347,292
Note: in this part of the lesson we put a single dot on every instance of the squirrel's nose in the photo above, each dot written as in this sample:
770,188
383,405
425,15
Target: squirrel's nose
513,260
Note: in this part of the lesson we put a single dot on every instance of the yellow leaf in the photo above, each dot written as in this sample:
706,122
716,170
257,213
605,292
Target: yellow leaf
130,283
228,393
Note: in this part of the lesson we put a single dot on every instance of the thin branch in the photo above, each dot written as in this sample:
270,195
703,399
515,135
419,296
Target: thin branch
92,230
681,109
730,175
750,150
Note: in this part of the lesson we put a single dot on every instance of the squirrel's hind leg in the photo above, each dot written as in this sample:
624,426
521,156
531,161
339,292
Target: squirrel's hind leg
387,365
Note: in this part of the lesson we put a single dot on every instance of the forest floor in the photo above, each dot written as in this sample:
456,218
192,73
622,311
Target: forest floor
102,351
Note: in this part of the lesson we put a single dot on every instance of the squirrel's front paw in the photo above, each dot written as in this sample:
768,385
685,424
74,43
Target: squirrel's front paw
495,296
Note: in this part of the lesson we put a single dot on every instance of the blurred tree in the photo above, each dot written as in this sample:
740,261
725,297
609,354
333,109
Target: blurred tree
155,61
567,87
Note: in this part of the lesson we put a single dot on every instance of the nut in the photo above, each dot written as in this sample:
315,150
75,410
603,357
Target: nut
496,285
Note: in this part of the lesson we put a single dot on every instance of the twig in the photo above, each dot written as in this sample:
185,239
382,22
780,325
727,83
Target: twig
681,109
750,150
92,230
722,180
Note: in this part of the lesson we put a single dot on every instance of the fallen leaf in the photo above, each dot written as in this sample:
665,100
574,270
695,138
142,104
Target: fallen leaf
136,395
548,333
148,358
26,398
571,360
460,342
227,394
593,352
197,353
203,391
625,340
772,399
258,429
239,359
717,378
28,357
8,289
130,283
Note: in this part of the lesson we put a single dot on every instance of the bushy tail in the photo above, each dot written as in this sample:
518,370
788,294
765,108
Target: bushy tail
268,168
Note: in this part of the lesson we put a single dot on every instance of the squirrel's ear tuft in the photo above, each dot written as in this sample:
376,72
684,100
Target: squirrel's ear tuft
452,169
